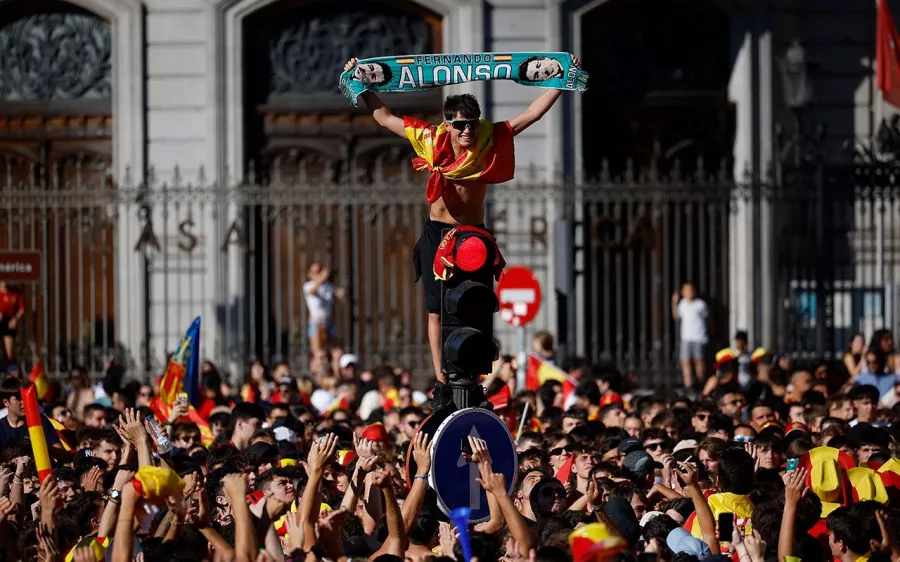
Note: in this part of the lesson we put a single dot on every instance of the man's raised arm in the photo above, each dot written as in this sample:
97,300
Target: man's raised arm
380,112
538,108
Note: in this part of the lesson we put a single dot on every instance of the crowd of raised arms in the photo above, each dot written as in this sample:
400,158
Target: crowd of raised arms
788,465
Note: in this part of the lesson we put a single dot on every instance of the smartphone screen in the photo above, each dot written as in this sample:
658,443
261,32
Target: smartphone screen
726,526
791,464
465,446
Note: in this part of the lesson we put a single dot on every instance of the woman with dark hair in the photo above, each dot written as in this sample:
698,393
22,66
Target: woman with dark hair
258,384
853,356
882,347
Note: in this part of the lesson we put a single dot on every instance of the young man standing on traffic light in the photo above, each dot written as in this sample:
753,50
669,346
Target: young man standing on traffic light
463,140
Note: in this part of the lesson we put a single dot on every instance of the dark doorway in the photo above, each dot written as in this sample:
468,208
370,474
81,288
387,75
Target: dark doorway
659,76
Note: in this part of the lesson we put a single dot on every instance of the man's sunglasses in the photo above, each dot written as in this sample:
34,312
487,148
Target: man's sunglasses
553,491
461,124
560,450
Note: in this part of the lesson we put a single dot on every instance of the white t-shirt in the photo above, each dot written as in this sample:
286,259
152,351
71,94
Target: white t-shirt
693,320
321,303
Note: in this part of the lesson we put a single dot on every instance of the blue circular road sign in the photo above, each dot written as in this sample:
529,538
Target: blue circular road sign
453,477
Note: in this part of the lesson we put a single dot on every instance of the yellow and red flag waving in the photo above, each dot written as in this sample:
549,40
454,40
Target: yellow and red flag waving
183,371
341,403
38,377
60,428
490,160
540,371
594,542
162,414
97,545
155,484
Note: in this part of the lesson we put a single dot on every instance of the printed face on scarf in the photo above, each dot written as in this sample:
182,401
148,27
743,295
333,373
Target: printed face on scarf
543,68
369,73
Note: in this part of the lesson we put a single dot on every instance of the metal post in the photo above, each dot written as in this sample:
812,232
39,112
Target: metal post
521,358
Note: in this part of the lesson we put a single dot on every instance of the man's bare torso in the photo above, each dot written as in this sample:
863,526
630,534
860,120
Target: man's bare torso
462,203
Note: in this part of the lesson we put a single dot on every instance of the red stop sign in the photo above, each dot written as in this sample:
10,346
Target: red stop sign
519,294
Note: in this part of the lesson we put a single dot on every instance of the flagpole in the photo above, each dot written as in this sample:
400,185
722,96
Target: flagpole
522,422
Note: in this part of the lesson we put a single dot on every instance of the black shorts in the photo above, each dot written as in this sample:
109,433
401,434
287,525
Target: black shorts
423,261
5,330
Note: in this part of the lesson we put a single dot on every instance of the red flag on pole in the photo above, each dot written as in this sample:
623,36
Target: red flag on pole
887,55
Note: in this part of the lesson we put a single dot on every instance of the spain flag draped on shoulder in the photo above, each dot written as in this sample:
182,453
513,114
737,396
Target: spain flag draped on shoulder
183,375
490,160
540,371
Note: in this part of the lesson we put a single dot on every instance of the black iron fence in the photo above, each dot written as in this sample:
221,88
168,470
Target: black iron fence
609,252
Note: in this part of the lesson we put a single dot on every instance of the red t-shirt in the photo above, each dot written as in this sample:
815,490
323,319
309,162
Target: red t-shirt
11,304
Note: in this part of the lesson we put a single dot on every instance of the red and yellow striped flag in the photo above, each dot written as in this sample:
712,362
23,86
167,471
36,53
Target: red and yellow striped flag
539,371
60,428
490,160
39,379
162,412
341,403
36,432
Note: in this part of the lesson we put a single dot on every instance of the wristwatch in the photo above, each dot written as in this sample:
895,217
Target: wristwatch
115,495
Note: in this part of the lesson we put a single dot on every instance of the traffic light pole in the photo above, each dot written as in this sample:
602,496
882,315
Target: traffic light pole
468,305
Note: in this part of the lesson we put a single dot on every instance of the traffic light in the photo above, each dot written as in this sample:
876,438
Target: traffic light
468,305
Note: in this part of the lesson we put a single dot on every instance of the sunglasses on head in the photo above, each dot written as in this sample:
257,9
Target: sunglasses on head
461,124
560,450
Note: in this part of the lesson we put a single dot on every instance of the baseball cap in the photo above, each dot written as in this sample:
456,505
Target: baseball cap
680,541
685,444
348,359
263,450
639,463
283,433
631,444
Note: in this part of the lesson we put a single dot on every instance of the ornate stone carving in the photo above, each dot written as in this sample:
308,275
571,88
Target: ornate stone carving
55,56
308,54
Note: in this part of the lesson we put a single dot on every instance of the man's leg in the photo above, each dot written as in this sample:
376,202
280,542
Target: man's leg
684,354
700,368
434,338
9,344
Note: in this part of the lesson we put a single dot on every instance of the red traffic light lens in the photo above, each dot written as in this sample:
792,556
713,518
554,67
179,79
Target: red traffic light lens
471,254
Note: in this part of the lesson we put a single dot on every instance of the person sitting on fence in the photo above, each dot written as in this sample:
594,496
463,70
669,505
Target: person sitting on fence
463,154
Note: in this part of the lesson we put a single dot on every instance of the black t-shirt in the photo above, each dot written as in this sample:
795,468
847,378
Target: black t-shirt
9,434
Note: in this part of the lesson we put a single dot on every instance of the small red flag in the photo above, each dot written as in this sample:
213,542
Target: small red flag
887,55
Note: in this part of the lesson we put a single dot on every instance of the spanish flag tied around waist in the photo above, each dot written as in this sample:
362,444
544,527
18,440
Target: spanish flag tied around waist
490,160
183,370
414,73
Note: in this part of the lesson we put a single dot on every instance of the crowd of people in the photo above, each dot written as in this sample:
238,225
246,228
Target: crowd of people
782,465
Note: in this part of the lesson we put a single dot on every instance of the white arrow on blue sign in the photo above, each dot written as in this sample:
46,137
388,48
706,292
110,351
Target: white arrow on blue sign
453,478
